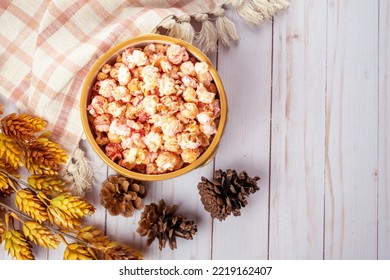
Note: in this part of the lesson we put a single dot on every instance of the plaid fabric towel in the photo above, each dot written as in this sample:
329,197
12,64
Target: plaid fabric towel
48,46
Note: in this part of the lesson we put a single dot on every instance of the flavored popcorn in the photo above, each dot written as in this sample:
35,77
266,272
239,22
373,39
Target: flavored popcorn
155,110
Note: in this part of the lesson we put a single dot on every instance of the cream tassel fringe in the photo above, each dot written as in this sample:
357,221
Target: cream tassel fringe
247,11
181,28
79,174
215,26
207,37
225,27
255,11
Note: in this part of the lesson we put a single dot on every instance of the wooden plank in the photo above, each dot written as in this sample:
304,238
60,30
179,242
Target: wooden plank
351,130
298,118
245,69
384,133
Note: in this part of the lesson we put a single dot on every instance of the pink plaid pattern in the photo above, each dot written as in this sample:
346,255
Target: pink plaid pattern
48,46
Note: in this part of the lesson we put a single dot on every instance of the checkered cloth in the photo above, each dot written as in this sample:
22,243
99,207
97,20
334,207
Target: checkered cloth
48,46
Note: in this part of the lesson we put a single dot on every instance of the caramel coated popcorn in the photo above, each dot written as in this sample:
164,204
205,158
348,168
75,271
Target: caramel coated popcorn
155,110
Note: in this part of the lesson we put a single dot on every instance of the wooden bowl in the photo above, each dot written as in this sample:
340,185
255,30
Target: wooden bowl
110,57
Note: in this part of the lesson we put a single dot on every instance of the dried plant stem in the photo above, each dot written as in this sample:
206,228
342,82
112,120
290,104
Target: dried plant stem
19,213
19,181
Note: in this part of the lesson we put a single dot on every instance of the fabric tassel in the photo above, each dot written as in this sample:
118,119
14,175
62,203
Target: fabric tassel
182,29
265,8
207,37
79,174
278,5
269,8
225,27
247,11
167,24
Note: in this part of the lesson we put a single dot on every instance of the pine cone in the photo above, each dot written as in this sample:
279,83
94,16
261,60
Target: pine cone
121,195
161,222
227,193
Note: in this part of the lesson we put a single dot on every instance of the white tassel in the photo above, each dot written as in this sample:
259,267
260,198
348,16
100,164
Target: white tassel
248,12
279,5
225,27
207,37
79,174
269,8
182,29
265,8
166,23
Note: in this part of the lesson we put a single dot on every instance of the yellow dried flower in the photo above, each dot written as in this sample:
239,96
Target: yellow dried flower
56,216
17,245
6,184
73,206
2,230
40,235
43,156
28,202
77,251
10,151
122,252
1,109
93,236
9,168
49,184
22,127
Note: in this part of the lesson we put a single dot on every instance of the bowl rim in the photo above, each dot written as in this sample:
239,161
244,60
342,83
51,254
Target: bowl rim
142,40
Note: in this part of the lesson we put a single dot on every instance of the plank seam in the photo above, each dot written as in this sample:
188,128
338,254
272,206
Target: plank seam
270,142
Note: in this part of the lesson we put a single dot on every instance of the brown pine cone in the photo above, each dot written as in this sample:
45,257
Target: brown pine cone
161,222
227,193
122,196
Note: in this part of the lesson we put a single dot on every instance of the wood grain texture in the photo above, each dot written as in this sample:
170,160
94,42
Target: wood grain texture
384,132
245,69
298,124
351,131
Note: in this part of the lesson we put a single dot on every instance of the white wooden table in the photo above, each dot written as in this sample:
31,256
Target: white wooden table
309,113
